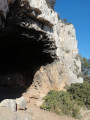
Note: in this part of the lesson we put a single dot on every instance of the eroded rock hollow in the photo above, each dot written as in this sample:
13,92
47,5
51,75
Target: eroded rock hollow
37,50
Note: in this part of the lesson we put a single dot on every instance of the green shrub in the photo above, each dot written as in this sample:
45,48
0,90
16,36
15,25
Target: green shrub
68,23
87,78
60,103
79,75
69,102
80,93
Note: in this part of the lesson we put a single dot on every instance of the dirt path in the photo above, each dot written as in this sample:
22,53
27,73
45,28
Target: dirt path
32,113
39,114
35,113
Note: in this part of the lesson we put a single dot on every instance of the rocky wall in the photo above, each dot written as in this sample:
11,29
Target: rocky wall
34,14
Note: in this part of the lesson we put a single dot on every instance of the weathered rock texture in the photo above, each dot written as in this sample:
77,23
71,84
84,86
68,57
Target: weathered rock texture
10,104
21,103
14,105
57,56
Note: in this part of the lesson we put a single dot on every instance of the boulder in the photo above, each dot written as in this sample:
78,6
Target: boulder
9,103
21,103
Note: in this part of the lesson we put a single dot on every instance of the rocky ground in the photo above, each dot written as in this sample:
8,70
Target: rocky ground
35,113
32,112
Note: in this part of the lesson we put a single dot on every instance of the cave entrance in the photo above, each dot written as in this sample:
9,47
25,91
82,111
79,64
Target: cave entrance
22,53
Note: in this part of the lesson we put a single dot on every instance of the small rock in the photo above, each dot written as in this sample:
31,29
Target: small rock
27,99
21,103
80,80
9,103
40,101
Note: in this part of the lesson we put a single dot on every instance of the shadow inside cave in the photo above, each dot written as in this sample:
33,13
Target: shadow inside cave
22,53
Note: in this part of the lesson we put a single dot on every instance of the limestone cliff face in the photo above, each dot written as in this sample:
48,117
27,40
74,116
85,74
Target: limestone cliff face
68,44
35,14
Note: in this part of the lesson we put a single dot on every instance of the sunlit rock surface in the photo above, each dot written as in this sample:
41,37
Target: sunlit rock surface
35,21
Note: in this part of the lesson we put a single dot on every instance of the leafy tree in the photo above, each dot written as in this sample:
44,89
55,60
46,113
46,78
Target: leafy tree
51,3
88,63
85,67
84,62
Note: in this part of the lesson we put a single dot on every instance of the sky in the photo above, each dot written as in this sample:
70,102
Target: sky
77,12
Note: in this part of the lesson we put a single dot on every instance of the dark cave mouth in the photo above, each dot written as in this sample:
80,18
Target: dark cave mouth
22,53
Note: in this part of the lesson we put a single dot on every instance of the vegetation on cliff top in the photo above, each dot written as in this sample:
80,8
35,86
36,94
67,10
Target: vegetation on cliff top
51,3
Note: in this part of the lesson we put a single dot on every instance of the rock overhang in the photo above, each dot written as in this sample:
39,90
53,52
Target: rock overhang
25,16
26,42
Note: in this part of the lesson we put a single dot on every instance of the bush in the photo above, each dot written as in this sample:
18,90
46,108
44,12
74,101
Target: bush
80,93
69,102
60,103
87,78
